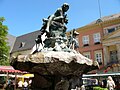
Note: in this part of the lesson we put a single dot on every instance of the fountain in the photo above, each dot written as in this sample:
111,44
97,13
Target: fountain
56,61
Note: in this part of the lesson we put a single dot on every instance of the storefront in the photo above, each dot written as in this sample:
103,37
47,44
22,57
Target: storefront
102,77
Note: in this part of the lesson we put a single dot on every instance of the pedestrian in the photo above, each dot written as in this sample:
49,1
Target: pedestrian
110,83
25,84
12,85
30,82
20,85
104,83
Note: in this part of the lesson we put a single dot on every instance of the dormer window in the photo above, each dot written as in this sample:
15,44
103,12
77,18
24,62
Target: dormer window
98,21
111,30
22,44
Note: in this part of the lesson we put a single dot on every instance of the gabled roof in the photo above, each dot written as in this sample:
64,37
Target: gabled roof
115,19
11,40
106,18
26,41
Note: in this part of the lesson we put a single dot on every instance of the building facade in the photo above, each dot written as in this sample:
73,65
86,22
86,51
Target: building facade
90,44
111,47
99,40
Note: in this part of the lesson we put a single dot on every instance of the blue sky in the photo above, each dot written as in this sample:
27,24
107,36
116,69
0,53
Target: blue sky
24,16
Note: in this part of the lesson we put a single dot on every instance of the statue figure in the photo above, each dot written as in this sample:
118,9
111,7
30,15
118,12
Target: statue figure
56,22
72,40
75,41
54,28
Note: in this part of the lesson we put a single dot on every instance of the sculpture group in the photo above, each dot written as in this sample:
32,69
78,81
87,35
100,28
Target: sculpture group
54,30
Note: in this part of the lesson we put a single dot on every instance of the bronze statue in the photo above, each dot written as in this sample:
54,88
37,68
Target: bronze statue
54,28
72,40
57,21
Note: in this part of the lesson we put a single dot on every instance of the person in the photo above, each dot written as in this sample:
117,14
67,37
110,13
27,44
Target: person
9,85
110,83
6,86
25,84
12,84
104,83
20,84
30,82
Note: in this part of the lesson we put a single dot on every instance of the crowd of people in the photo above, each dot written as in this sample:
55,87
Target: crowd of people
100,83
21,85
107,83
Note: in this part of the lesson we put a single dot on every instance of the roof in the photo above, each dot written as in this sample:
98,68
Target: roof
28,41
11,41
106,18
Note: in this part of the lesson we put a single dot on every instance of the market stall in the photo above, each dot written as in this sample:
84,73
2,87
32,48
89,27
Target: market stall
9,72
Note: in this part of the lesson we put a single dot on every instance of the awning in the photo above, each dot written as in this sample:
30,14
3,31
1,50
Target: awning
100,75
28,75
9,69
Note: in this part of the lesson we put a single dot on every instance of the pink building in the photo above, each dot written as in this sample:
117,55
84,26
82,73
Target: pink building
92,35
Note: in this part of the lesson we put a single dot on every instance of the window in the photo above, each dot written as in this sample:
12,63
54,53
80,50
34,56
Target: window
96,37
22,44
87,54
113,56
98,21
98,56
117,27
85,40
111,30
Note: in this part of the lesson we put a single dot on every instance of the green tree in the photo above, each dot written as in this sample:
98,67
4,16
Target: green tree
4,49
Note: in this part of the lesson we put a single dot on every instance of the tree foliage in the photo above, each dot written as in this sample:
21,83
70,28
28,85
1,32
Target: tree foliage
4,49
